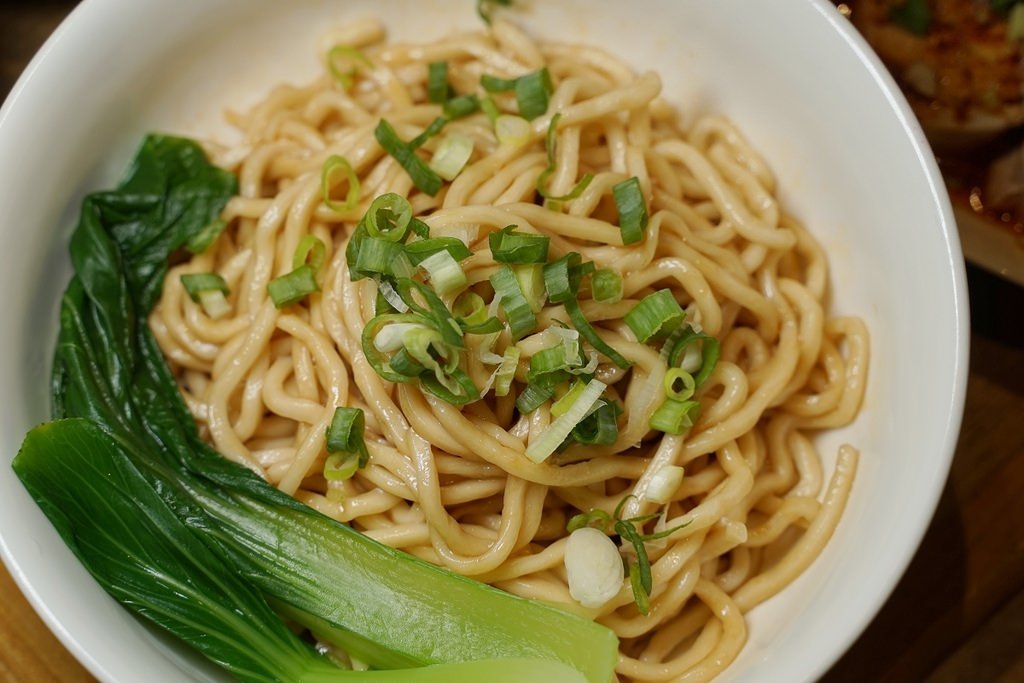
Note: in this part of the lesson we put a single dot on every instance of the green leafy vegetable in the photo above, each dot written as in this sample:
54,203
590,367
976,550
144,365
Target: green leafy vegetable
222,535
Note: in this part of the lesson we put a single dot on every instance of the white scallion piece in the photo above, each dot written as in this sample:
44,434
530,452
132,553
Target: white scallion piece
594,567
555,434
452,154
391,337
664,484
512,130
214,303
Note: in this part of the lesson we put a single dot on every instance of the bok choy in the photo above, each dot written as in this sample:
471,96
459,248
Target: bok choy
205,547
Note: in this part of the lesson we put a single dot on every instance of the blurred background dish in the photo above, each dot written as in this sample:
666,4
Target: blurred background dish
961,65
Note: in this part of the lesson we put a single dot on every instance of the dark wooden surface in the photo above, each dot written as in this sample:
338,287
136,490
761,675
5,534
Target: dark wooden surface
958,613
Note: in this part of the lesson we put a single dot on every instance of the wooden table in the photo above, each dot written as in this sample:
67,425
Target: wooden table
958,613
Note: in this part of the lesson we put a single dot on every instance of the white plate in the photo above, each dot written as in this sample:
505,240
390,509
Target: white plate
851,162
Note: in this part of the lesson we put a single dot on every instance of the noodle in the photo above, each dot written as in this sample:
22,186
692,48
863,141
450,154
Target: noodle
450,483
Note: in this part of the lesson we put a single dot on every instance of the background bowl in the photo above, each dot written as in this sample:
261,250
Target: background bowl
851,163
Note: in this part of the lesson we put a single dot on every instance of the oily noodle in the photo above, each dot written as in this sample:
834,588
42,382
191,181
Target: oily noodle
451,484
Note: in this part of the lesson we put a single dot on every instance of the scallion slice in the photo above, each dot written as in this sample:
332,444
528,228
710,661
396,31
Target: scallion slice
562,405
506,372
600,428
461,106
421,175
606,286
533,397
656,316
208,290
530,277
345,438
438,90
343,61
512,130
562,277
197,283
533,93
675,417
293,287
586,330
679,385
389,217
419,250
445,273
435,127
490,108
708,354
551,438
334,164
511,246
435,310
629,200
377,256
518,313
452,155
311,250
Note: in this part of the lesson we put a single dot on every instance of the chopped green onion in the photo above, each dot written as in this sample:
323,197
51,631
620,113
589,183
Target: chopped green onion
675,417
435,311
912,15
518,313
706,350
388,299
512,130
493,84
445,274
641,595
533,93
391,337
400,367
679,384
208,290
345,444
664,484
421,175
596,518
562,405
310,249
506,372
629,200
333,164
388,217
197,283
490,108
354,59
533,397
419,250
451,155
438,90
606,286
435,127
551,142
530,277
600,428
202,240
461,106
551,438
293,287
378,256
562,277
457,390
586,330
509,246
656,316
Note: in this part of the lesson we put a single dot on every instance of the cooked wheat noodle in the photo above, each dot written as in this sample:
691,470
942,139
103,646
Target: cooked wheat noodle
451,484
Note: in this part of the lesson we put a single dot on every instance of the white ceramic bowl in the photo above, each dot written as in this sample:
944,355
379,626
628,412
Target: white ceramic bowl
850,160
